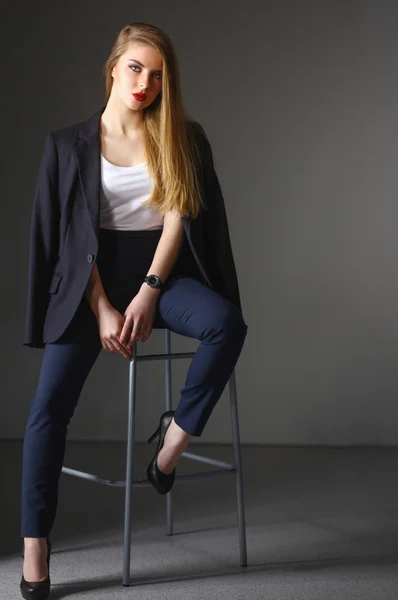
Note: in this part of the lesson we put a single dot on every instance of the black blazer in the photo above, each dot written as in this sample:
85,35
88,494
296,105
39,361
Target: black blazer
64,229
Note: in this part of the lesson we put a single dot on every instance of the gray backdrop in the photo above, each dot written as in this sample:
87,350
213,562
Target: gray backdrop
299,100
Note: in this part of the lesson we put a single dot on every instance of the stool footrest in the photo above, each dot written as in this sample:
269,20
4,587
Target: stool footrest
209,461
168,356
144,482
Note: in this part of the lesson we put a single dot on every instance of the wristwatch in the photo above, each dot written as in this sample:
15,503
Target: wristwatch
154,281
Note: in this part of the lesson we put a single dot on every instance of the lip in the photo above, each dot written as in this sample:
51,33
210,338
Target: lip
140,97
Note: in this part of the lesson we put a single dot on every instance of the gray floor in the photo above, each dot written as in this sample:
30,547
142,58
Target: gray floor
321,523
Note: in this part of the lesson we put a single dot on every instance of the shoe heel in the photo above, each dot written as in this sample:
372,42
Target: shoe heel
154,435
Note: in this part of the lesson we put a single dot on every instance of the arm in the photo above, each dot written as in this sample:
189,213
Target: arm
141,310
95,292
167,252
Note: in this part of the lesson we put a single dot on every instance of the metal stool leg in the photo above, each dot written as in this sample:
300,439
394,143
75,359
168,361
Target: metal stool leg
223,467
168,391
129,466
239,476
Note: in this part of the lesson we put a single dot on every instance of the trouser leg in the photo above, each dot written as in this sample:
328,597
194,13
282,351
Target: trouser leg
64,369
192,309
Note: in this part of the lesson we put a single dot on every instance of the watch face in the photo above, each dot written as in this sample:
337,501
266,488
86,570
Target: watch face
153,281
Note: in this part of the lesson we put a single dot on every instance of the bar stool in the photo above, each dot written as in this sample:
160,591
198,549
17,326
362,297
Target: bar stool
224,468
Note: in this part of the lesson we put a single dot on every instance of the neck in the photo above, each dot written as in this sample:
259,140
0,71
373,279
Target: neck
121,121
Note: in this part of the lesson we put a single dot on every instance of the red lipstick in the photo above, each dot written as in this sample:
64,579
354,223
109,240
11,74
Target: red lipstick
139,97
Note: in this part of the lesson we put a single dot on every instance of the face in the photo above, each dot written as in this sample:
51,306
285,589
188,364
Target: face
138,71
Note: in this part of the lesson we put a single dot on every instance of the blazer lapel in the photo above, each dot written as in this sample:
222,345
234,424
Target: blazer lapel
87,152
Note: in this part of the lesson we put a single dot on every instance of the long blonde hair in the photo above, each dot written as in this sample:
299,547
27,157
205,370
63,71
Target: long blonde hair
170,147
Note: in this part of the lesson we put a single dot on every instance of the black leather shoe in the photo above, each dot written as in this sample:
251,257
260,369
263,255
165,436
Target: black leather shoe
37,590
160,481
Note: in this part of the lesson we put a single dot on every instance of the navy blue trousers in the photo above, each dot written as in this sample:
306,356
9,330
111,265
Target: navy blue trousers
186,306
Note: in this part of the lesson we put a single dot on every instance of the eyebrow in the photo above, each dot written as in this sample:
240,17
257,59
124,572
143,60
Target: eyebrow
137,61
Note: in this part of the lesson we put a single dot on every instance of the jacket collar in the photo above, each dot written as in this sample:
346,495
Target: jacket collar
90,126
87,153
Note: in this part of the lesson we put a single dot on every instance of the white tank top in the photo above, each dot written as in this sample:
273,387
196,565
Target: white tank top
123,191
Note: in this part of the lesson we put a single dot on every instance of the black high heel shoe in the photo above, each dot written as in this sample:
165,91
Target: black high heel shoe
37,590
162,482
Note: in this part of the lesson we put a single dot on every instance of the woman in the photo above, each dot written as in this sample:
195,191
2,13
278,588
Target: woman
128,232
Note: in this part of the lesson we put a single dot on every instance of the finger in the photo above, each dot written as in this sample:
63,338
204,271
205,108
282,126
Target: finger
126,331
108,346
120,348
141,334
133,339
147,334
135,334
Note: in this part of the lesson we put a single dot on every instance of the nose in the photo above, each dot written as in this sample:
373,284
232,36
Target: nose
144,87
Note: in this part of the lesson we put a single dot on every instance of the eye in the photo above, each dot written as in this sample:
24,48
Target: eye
157,75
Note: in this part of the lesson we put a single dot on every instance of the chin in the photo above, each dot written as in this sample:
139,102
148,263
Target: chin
131,103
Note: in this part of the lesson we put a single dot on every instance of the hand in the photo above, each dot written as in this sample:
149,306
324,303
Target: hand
139,316
110,323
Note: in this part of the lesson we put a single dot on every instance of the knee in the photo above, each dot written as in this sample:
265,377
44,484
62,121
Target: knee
232,323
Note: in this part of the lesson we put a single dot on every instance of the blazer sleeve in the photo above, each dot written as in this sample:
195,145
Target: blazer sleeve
218,249
44,244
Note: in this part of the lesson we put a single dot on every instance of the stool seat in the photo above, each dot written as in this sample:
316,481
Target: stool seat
223,468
